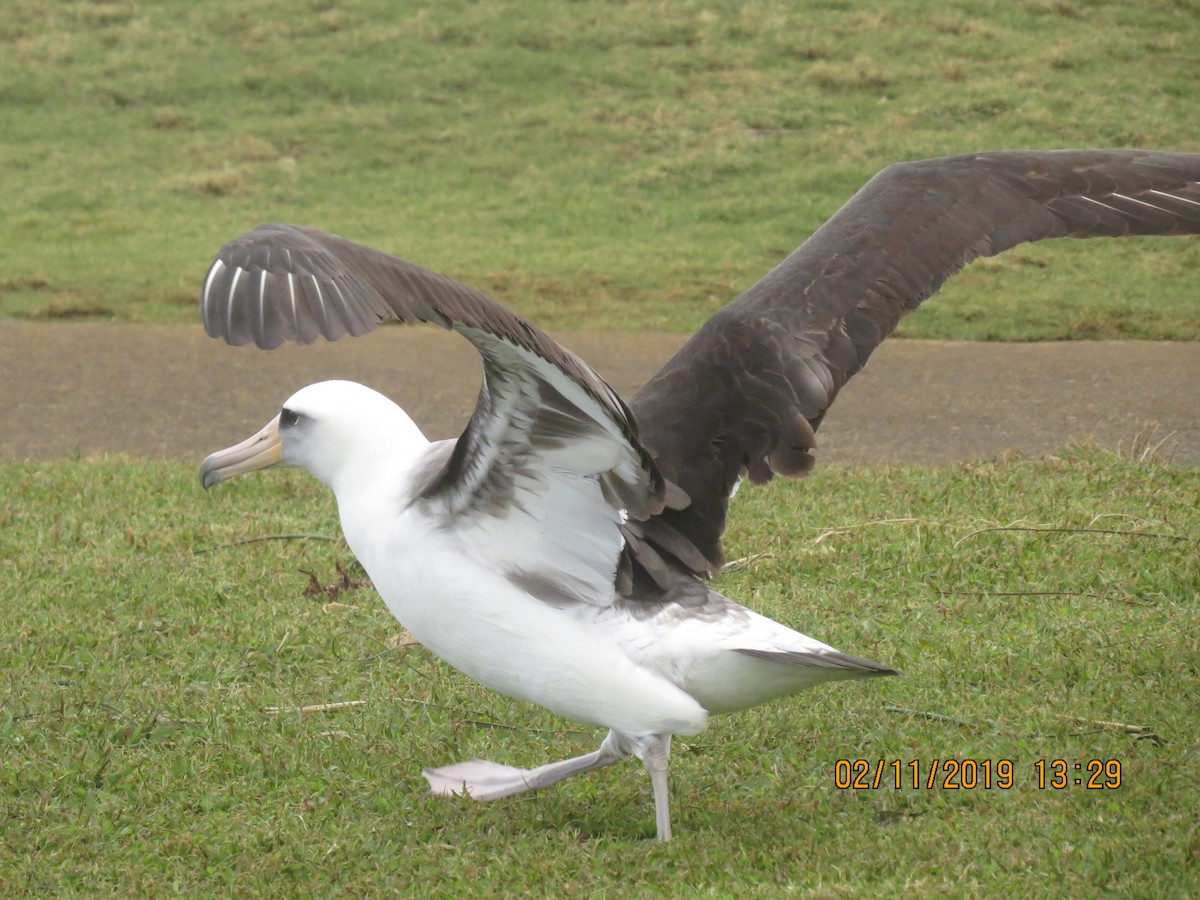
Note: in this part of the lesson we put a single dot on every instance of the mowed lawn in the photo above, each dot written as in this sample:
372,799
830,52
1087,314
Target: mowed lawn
157,670
616,165
201,695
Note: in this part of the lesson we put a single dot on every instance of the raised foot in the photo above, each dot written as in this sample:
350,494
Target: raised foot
478,778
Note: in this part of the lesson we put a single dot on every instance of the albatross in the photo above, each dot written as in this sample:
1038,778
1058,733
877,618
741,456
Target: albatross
560,550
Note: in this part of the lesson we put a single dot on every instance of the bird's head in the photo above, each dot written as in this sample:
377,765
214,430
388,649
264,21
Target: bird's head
337,430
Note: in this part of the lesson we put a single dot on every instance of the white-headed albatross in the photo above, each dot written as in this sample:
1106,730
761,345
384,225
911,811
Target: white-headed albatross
557,551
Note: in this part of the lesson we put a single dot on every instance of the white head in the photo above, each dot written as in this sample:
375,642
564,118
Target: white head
340,431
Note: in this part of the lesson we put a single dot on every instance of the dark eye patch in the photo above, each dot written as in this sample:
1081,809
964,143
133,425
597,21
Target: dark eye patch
287,418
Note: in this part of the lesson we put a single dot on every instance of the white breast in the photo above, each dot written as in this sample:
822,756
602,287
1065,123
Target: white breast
483,625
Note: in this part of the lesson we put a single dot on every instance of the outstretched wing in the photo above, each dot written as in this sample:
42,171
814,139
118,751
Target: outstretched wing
745,395
549,467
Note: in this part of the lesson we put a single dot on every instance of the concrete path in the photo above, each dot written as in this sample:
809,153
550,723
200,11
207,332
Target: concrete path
156,391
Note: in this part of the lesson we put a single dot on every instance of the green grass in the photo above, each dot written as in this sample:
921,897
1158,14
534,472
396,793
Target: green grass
594,164
143,646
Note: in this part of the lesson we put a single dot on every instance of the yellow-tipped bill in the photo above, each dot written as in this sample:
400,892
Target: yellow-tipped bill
261,451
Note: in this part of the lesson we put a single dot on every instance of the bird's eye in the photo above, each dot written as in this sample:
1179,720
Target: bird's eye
287,418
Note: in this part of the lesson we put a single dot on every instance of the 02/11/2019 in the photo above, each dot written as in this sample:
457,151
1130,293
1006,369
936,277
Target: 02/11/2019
973,774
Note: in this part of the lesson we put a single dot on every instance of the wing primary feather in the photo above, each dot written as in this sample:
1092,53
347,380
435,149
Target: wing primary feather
229,307
291,283
326,324
1177,197
260,337
206,298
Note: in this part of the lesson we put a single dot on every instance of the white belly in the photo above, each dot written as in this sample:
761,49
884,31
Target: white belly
483,625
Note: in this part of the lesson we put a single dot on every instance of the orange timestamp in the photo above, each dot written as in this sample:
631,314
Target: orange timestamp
973,774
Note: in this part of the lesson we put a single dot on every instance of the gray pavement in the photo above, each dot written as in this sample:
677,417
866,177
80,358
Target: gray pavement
168,391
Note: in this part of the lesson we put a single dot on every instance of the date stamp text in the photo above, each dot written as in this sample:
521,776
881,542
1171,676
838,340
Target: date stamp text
975,774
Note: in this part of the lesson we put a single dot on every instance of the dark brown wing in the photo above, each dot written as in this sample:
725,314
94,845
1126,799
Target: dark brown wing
286,283
747,392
